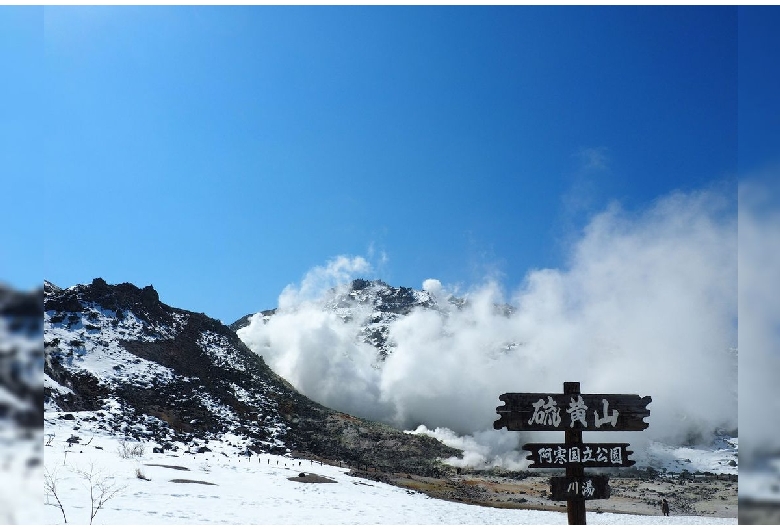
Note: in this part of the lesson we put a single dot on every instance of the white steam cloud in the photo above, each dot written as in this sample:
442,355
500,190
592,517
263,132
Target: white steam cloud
646,305
320,279
759,316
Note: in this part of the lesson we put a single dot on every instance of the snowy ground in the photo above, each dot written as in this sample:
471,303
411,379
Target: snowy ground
720,456
22,476
242,490
761,482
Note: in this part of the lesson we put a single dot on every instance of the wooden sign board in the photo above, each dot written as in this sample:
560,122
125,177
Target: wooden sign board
572,412
584,454
579,489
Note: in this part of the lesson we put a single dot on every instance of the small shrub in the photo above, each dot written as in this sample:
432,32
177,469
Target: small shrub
128,450
140,474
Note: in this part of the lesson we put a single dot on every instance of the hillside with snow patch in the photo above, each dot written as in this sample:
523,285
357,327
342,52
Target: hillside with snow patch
147,371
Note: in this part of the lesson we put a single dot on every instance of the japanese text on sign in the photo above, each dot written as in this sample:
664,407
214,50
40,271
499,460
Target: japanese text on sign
549,413
585,488
571,455
587,455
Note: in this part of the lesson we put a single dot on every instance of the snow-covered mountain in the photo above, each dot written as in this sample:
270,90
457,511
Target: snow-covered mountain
374,306
149,371
208,416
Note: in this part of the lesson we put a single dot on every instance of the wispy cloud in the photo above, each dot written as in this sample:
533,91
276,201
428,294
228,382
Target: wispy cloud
318,280
593,159
582,194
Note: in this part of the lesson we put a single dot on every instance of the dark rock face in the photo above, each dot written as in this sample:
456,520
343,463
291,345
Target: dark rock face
244,320
182,376
19,304
21,357
144,303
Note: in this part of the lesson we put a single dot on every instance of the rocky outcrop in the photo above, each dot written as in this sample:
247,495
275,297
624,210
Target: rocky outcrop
21,357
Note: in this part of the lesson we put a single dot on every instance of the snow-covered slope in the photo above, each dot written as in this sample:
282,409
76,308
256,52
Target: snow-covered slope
169,370
21,358
148,371
219,487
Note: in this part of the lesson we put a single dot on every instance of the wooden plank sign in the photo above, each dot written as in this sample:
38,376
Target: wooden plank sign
578,412
579,489
573,412
583,454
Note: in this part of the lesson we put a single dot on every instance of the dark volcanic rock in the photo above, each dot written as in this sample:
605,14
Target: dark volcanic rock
21,357
145,302
244,320
15,303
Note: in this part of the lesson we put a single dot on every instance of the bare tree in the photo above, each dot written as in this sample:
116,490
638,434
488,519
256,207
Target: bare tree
50,482
101,489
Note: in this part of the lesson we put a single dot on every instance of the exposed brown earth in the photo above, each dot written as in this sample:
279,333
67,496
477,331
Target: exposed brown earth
757,512
704,495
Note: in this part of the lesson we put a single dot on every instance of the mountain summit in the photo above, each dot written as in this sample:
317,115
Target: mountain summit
374,306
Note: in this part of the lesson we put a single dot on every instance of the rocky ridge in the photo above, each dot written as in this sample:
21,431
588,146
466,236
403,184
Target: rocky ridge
153,372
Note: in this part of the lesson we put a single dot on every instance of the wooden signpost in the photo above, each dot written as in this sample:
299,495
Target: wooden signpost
573,413
572,410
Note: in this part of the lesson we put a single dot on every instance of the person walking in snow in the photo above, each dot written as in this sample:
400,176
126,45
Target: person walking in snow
665,507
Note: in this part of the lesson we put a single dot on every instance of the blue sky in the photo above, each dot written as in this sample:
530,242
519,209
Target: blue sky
220,153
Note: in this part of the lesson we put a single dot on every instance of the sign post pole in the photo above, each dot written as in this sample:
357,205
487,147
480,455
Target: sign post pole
575,509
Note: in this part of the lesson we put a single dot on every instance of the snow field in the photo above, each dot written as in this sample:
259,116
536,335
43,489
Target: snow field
253,490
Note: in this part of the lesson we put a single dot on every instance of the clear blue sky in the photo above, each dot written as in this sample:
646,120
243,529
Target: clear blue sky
219,153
